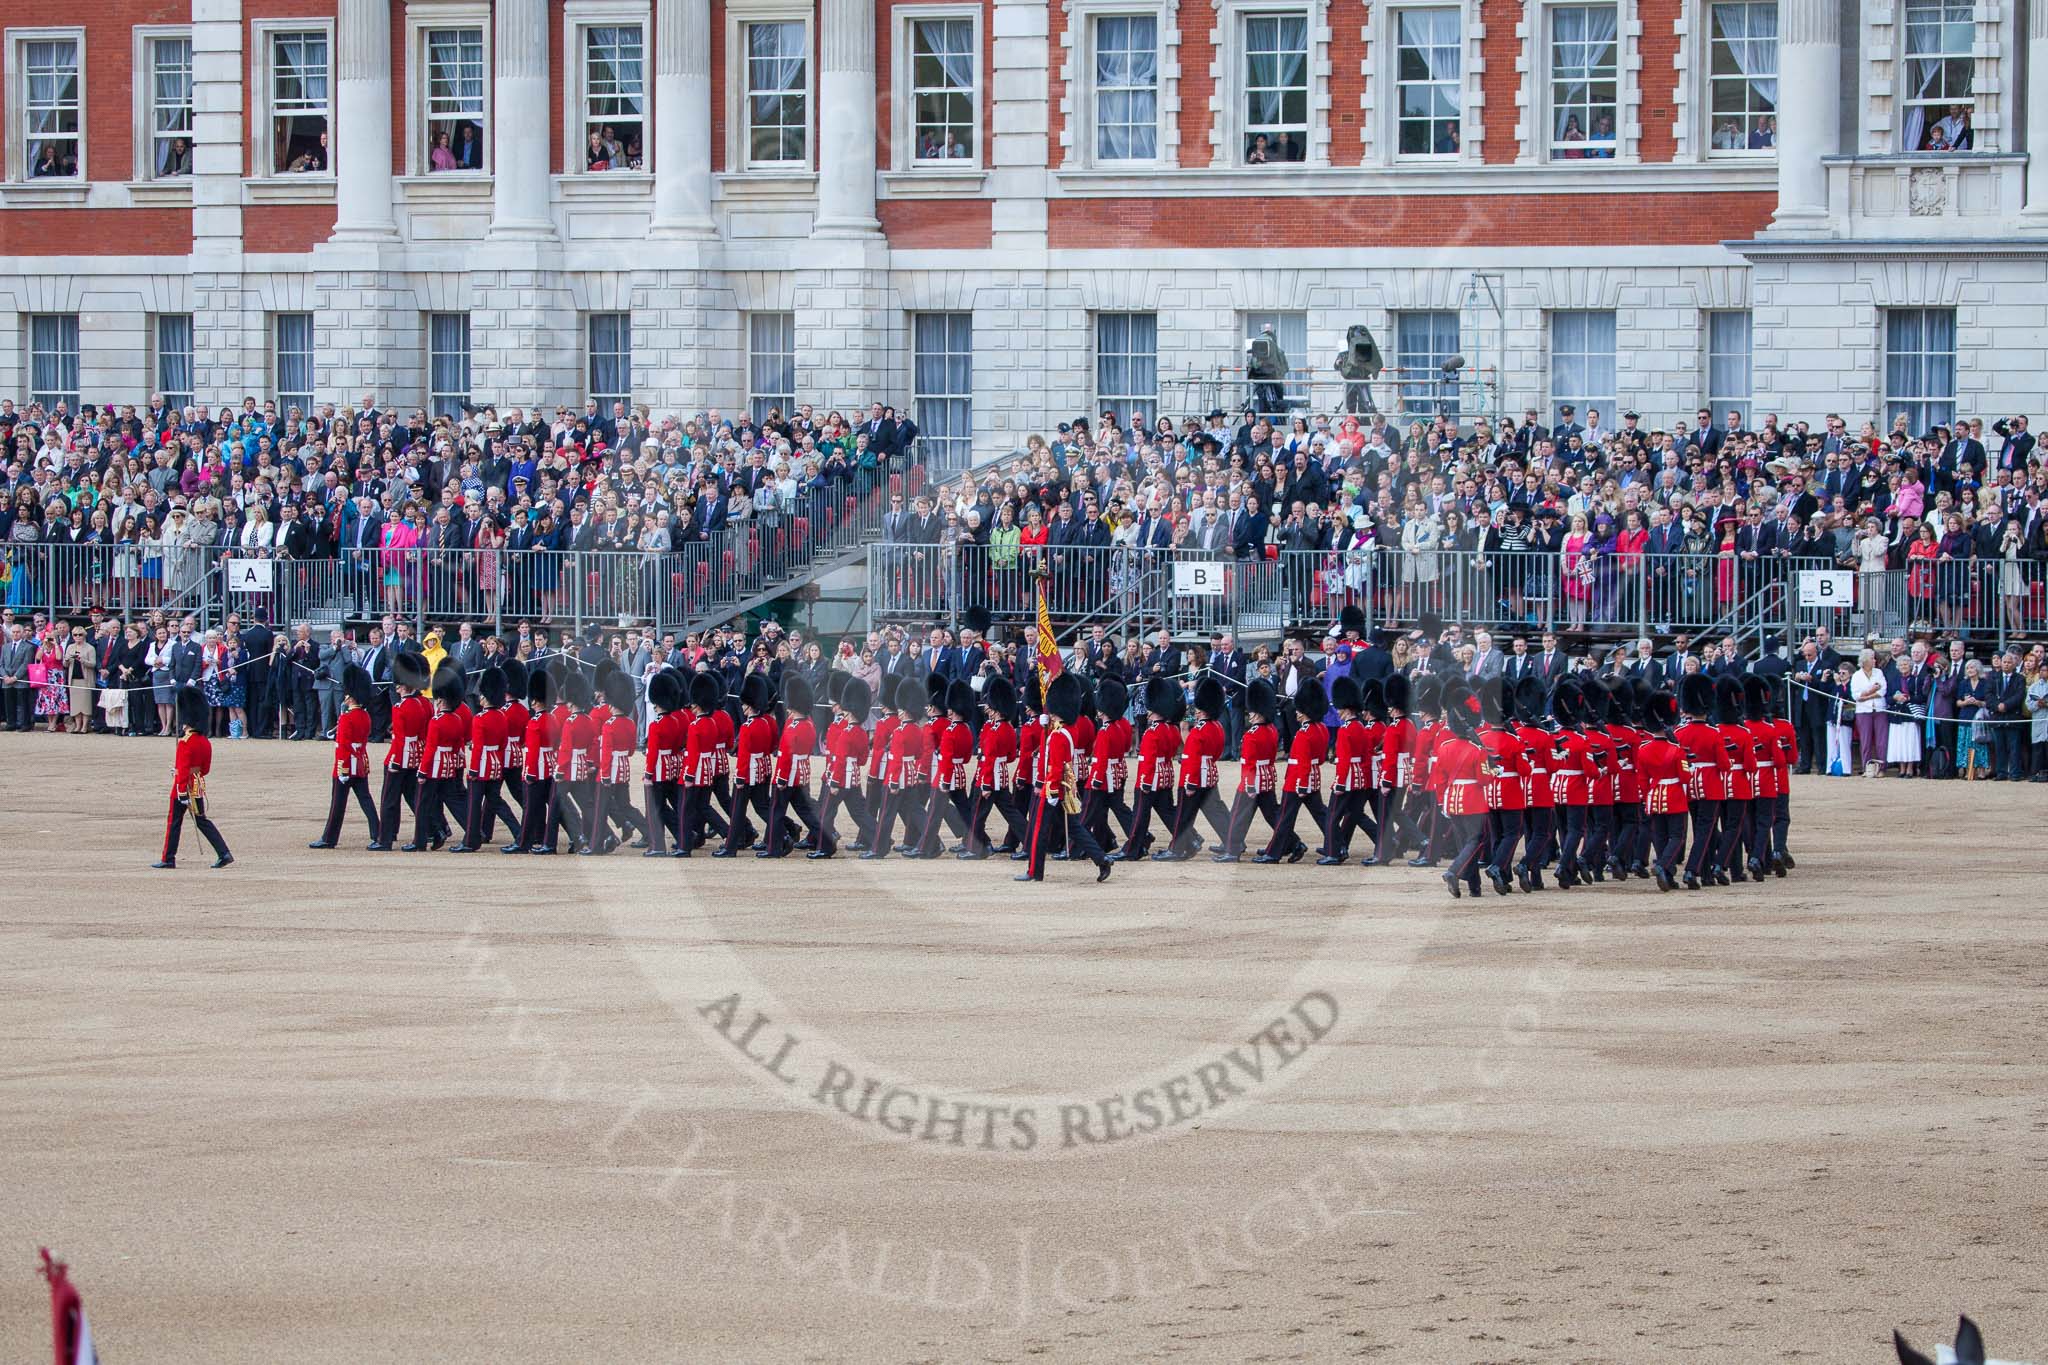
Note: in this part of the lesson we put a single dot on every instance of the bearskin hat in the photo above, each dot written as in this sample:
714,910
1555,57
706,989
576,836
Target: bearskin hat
976,618
665,691
447,685
962,702
706,693
193,712
577,691
1756,697
540,689
1311,703
515,672
1261,700
1001,698
856,699
797,695
357,685
1112,698
1728,700
757,694
1351,620
409,670
1696,695
490,685
1399,693
1344,694
1209,698
1661,710
1065,698
1163,699
1372,699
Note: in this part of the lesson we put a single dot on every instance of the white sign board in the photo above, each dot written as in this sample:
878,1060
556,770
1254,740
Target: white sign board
1200,578
1827,588
249,575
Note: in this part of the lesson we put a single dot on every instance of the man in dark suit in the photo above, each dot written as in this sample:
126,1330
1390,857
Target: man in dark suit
1553,663
2018,443
1810,704
1663,549
1520,663
1163,660
1706,436
2008,709
881,431
1247,532
1229,662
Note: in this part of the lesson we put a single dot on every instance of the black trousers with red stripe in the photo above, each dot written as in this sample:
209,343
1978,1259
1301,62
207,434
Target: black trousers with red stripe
1464,833
537,799
480,811
1049,820
399,784
1194,801
1504,831
1706,816
1667,832
1138,835
1097,805
1285,841
337,807
1241,808
1539,837
174,825
788,800
1349,811
995,799
855,802
664,814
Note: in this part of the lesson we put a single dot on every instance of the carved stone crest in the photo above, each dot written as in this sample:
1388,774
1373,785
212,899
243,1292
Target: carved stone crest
1927,192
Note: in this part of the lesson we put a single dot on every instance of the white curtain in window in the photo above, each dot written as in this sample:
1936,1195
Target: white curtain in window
1127,88
174,357
294,357
1270,74
1127,359
1582,370
1750,34
455,60
53,359
448,362
611,357
1584,52
942,381
771,362
777,54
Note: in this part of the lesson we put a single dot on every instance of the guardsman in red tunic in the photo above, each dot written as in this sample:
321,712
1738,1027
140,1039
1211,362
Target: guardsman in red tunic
1059,797
618,736
510,789
1396,774
351,757
1108,758
1506,785
903,769
537,763
661,784
1660,760
790,774
1200,754
728,727
1738,807
575,768
1788,758
1706,774
879,739
1030,734
1596,711
1302,786
1351,775
700,764
1460,770
485,766
1756,702
995,765
753,771
1258,751
1631,831
1426,801
410,715
846,753
952,771
190,764
1539,827
441,763
1157,748
1571,778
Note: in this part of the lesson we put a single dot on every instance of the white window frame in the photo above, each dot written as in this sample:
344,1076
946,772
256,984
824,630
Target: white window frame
903,137
1085,92
72,396
578,20
1241,130
759,402
1934,108
739,146
1547,143
263,40
467,353
927,424
1608,403
591,353
1710,81
1121,402
173,397
1719,403
1417,397
419,22
16,80
1927,401
143,135
1393,82
312,353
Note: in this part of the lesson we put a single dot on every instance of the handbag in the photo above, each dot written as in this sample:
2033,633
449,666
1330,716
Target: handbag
38,674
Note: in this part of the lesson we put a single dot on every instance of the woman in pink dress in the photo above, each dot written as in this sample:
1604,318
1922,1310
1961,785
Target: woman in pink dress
1578,572
1724,568
397,558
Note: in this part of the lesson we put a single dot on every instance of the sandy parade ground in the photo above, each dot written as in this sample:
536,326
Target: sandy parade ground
345,1107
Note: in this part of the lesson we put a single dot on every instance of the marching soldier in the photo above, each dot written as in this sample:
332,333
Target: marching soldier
790,774
1788,758
846,753
537,764
1258,753
1058,798
1460,769
1660,760
1351,784
441,763
1025,776
618,736
903,771
952,750
1631,832
190,763
1425,801
1303,787
574,795
700,764
510,792
1158,747
1756,701
753,764
1736,807
1596,713
1200,752
878,759
351,757
995,765
1539,826
1396,774
666,736
485,767
410,715
1570,780
1706,775
1506,789
1108,760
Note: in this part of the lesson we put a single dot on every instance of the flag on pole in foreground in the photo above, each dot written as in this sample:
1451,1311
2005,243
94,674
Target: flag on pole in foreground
1048,644
70,1336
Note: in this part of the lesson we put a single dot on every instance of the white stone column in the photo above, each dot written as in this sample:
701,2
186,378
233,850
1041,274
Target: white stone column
2036,101
520,208
1809,113
845,119
682,119
361,137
